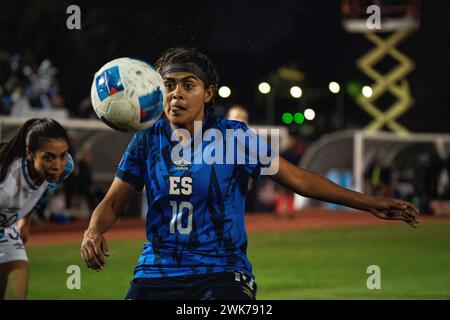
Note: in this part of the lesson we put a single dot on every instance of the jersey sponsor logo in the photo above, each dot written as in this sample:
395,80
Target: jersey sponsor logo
182,164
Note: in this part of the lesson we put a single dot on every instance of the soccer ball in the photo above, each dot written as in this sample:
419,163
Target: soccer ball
127,94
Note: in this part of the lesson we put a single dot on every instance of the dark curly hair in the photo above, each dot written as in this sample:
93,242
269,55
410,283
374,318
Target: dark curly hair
191,55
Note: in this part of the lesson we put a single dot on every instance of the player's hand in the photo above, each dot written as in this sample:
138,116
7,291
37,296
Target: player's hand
395,209
94,250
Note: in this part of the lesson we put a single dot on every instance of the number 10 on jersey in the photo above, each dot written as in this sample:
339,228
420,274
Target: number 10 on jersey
177,215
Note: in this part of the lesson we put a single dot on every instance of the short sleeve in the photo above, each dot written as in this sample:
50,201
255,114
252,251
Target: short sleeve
131,166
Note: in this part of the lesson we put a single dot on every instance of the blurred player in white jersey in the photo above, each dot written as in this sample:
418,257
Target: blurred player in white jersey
33,163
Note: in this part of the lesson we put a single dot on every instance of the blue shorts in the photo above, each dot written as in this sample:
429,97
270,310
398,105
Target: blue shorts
228,285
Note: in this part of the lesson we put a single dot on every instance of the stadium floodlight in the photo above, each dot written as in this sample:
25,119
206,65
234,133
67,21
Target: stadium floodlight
224,92
310,114
264,87
367,91
296,92
334,87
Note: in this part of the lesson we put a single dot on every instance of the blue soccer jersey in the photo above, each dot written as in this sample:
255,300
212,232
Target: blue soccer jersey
195,218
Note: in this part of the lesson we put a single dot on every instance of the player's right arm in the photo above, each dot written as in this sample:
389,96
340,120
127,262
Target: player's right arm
93,247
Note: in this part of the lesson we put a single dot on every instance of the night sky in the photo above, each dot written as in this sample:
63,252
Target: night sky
248,40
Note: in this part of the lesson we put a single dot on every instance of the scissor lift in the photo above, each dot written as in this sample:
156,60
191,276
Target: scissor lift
399,19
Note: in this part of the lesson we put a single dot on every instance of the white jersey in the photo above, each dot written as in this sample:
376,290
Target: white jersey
18,197
18,194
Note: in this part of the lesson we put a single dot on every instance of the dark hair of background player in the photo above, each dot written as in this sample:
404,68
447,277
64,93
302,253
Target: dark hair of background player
32,134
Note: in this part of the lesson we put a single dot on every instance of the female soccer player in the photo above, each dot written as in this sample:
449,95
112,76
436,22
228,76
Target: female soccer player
197,241
32,164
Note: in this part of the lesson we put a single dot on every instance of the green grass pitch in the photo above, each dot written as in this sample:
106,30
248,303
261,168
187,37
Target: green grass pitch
311,264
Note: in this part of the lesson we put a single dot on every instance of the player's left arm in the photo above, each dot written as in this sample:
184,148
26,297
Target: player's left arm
313,185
